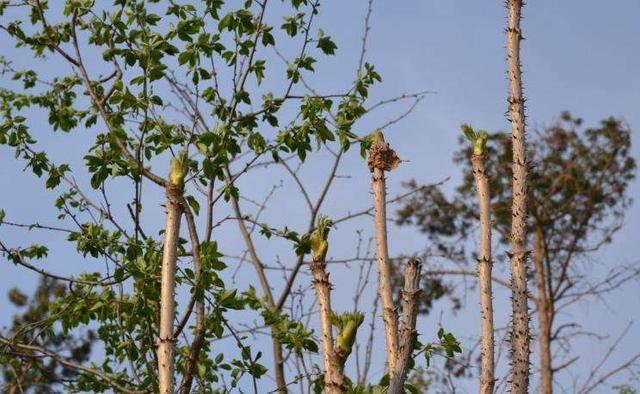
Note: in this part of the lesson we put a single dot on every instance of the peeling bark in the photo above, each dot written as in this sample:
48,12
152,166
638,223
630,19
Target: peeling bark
408,334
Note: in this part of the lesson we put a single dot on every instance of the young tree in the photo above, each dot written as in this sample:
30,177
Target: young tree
334,354
213,58
519,336
478,158
382,158
197,92
401,339
579,193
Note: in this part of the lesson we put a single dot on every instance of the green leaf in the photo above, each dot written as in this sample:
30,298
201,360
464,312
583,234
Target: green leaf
194,204
327,45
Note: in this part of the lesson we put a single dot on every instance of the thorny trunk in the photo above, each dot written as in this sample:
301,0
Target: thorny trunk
334,379
544,316
389,314
166,341
408,333
519,336
382,158
487,379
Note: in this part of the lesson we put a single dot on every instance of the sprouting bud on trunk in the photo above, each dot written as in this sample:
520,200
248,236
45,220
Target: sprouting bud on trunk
477,138
178,169
347,324
319,243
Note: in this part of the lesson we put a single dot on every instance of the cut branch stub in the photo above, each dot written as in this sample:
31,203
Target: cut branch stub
408,334
381,156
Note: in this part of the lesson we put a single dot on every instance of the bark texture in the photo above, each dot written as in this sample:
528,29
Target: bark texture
408,334
382,158
334,379
166,341
485,265
520,336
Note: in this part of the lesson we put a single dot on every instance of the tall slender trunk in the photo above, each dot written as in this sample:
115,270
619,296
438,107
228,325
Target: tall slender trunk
389,314
408,334
519,336
544,316
382,158
487,379
166,341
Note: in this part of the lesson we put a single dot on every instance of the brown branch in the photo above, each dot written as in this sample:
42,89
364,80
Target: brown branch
111,380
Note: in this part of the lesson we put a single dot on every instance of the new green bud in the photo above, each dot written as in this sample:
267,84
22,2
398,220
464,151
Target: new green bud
348,324
480,143
178,169
319,243
376,136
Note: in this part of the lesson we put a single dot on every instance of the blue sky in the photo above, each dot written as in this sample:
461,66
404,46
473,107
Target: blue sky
580,56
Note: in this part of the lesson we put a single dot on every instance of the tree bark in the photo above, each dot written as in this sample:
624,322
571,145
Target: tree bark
544,316
519,336
408,334
166,341
389,314
334,379
485,264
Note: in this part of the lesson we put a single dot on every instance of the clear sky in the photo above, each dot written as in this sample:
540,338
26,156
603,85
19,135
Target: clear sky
578,55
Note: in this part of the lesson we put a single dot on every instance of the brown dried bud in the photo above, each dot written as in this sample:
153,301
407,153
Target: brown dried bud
381,156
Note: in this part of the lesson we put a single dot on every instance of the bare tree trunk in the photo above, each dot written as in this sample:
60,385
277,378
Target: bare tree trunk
382,158
519,336
334,354
544,317
333,371
487,379
408,333
389,314
166,341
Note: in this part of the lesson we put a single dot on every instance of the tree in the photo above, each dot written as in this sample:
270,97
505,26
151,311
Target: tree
578,197
478,158
22,369
197,92
519,336
120,98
